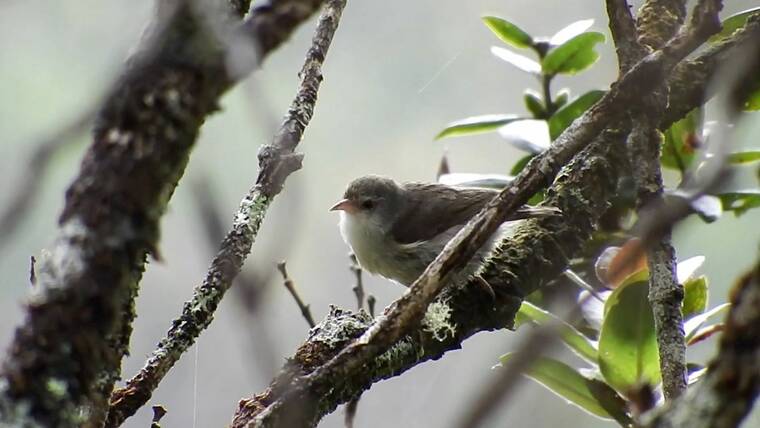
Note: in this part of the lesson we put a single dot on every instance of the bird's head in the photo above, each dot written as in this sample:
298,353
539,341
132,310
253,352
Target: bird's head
373,201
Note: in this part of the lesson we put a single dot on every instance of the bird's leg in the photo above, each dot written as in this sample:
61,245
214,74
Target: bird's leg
485,286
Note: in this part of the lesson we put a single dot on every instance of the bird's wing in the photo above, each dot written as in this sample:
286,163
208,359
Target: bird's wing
435,208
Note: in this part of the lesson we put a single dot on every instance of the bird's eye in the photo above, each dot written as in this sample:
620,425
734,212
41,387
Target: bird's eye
368,204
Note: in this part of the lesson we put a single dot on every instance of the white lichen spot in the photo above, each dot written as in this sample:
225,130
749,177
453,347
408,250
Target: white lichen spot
57,388
251,212
65,260
437,320
400,350
172,97
117,136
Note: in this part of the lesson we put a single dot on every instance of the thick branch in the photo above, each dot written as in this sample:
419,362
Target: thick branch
59,359
659,20
276,162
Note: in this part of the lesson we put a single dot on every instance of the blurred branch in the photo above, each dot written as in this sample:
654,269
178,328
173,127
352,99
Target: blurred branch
249,285
276,162
288,283
67,354
33,173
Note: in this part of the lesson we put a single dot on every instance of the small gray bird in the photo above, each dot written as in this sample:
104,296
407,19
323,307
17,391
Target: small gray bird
396,230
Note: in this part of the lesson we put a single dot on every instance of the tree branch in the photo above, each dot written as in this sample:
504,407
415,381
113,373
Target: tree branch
276,162
68,352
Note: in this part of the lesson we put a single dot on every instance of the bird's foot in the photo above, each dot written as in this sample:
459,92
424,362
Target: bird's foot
485,286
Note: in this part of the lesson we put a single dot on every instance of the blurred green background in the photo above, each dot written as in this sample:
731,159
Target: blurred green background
397,72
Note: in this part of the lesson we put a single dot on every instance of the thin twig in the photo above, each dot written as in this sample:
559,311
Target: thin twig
276,162
371,300
358,289
288,283
32,272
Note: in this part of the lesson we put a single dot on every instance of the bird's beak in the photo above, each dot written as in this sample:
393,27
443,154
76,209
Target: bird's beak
344,205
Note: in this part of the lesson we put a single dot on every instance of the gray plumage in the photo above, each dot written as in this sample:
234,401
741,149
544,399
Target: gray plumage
396,230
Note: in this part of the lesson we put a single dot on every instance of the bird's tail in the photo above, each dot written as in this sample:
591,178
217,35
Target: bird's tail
527,211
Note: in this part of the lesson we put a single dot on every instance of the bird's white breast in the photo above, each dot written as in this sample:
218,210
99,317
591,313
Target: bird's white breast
376,251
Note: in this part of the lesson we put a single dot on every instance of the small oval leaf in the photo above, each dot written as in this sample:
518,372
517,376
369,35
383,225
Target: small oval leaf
627,344
574,339
567,114
732,23
686,269
740,201
530,135
691,326
508,32
523,63
681,141
462,179
695,297
476,125
534,104
744,157
570,31
573,56
520,164
589,394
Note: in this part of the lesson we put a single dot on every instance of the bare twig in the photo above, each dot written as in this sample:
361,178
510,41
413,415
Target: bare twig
623,30
32,271
288,283
33,173
276,161
358,289
158,413
371,300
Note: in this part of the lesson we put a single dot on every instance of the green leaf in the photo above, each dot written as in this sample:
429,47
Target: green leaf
570,31
521,62
627,345
476,125
731,24
591,395
464,179
573,56
695,297
574,339
752,103
562,97
744,157
508,32
691,326
740,201
567,114
680,141
520,164
534,104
